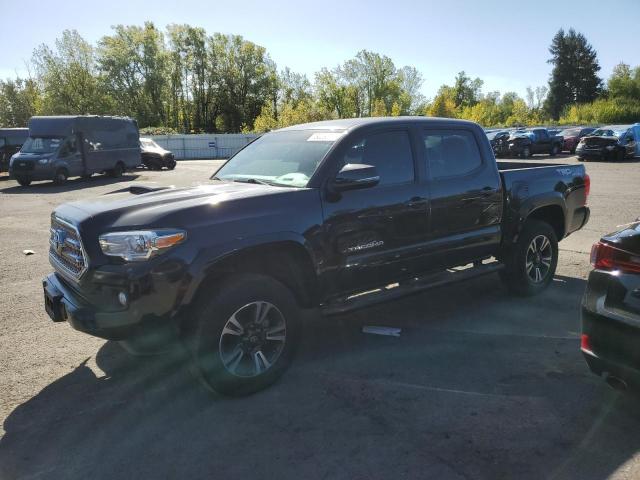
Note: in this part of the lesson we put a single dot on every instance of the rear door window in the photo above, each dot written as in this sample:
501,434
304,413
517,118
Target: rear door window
451,153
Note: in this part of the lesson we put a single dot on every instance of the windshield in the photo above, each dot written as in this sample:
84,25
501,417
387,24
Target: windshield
147,142
608,132
41,144
287,158
570,132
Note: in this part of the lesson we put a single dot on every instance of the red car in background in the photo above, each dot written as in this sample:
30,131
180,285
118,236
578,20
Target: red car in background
572,136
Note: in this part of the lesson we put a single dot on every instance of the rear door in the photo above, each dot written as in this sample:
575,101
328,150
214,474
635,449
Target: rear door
465,193
374,234
542,142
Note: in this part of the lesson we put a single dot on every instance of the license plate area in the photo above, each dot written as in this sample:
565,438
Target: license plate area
53,302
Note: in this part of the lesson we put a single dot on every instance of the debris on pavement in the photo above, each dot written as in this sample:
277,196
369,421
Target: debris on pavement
375,330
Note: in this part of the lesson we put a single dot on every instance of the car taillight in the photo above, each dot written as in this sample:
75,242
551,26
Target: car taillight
587,187
606,257
585,343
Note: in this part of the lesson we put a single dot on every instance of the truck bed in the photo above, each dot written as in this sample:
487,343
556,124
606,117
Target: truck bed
504,165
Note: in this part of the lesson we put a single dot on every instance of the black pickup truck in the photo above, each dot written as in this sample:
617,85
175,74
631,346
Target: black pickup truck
333,215
524,143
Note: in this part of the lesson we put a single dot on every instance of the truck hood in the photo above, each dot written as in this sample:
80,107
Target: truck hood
167,207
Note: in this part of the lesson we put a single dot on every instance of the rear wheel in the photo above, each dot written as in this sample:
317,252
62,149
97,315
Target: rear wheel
60,176
117,171
245,334
554,151
526,152
23,181
531,262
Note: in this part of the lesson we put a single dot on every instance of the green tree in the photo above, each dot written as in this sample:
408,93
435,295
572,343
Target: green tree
20,99
574,78
68,77
624,82
466,91
133,62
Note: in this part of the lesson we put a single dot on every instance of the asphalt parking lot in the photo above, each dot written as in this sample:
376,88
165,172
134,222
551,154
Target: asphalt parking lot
478,385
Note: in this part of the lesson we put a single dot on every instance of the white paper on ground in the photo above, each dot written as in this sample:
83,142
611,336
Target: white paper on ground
389,331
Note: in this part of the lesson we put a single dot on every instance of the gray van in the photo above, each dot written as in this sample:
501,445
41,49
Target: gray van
72,146
11,139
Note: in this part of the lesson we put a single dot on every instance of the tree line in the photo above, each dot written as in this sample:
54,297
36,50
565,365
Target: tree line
185,80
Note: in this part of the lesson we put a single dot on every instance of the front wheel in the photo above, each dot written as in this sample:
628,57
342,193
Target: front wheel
531,262
526,152
60,177
117,171
245,334
23,181
554,151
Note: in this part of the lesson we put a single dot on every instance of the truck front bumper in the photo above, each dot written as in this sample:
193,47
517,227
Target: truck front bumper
130,322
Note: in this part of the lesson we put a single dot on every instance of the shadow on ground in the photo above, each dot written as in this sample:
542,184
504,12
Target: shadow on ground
478,385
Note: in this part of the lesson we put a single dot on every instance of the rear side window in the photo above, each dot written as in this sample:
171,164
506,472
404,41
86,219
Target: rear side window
451,153
390,152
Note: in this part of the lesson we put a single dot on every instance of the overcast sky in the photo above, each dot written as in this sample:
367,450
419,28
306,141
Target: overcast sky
504,43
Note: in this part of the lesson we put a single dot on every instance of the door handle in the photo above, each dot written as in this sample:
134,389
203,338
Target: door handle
415,202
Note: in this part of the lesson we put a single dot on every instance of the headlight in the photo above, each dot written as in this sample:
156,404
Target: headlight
140,245
43,161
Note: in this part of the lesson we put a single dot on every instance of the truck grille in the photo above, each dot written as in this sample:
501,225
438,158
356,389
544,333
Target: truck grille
66,253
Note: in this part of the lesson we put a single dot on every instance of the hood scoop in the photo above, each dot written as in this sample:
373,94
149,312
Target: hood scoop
141,189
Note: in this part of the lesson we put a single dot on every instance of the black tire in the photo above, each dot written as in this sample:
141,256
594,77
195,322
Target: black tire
526,152
61,176
620,154
572,151
171,164
554,151
117,171
522,264
24,182
214,337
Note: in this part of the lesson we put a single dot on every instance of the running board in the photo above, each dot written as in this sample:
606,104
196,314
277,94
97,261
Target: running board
407,287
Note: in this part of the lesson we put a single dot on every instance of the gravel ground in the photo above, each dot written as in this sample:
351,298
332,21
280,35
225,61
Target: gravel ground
478,385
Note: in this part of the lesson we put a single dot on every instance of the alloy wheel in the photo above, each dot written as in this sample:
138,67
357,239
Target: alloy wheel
253,339
538,259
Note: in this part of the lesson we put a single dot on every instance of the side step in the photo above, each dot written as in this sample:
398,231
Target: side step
408,287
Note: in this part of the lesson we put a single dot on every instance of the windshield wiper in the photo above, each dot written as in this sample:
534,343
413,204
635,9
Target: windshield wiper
254,180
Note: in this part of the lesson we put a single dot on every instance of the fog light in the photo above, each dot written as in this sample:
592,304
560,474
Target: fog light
123,299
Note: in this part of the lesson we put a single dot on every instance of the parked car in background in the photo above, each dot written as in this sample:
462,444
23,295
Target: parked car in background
154,157
572,136
73,146
613,142
11,139
335,215
611,308
498,141
533,141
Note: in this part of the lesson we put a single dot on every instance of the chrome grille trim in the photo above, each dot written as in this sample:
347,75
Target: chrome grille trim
66,252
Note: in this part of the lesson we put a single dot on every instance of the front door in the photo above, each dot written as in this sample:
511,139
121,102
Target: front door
372,233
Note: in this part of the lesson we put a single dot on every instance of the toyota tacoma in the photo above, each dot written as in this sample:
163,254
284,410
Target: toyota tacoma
333,215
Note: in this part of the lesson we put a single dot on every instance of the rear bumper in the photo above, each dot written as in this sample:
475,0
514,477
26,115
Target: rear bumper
611,321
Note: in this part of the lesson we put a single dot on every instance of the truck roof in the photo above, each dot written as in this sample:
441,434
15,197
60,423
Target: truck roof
351,123
63,125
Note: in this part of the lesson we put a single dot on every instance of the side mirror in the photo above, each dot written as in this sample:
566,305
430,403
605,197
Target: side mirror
354,176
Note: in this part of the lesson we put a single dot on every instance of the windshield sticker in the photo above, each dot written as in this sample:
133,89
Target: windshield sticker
324,137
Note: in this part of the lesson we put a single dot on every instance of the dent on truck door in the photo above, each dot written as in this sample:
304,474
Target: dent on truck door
373,233
466,196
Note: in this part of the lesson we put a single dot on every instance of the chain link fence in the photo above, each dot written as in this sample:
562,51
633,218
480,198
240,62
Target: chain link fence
205,146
